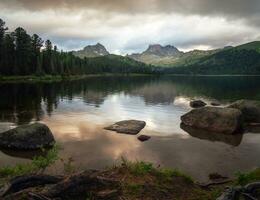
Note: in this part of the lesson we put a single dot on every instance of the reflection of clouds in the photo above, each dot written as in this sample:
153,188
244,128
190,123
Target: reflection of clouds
97,148
160,119
182,101
92,147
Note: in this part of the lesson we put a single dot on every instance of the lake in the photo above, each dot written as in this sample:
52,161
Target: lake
77,111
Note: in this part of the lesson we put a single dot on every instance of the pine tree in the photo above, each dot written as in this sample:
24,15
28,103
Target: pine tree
23,52
37,44
3,29
8,55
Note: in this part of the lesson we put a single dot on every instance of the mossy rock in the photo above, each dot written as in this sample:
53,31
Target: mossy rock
27,137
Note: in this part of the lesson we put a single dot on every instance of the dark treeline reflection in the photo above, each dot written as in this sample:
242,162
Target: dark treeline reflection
24,102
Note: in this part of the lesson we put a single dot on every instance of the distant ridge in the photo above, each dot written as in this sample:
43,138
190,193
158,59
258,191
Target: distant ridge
91,51
156,52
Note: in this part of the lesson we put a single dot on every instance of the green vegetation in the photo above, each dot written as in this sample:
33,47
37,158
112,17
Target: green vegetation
136,180
243,59
38,164
23,55
248,177
140,168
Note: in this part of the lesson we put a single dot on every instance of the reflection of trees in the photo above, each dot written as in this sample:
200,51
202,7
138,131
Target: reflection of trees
221,88
20,103
165,89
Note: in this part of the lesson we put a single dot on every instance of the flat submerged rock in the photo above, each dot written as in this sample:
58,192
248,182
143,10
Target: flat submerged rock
132,127
27,137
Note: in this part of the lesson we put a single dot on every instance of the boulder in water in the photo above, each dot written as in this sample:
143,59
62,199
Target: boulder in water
250,110
131,127
215,119
27,137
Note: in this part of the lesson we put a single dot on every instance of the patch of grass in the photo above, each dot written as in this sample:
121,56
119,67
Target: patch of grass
133,189
137,168
39,163
199,194
245,178
68,166
168,174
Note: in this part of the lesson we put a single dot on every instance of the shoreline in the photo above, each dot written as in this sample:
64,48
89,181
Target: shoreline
59,78
125,180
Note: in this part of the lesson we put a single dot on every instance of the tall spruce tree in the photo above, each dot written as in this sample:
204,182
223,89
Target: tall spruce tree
8,55
3,29
23,52
37,44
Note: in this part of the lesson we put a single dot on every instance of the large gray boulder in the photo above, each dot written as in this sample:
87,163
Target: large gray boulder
131,127
250,110
215,119
27,137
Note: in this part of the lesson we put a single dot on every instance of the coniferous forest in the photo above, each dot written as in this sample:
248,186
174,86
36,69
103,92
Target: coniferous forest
23,54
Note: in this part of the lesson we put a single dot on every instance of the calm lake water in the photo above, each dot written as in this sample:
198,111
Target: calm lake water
77,111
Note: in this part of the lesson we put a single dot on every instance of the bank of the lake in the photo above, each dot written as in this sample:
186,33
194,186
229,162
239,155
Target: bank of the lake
58,78
123,180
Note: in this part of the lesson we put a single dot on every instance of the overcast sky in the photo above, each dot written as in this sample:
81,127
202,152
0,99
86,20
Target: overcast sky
127,26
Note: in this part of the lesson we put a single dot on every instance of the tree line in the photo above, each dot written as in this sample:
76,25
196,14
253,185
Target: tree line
23,54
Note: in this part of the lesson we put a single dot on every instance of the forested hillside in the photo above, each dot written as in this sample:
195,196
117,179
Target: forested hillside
22,54
243,59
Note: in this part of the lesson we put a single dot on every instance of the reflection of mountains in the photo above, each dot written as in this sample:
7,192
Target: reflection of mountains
234,140
20,103
94,98
156,93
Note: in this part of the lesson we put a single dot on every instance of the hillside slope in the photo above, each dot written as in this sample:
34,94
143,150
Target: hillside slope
243,59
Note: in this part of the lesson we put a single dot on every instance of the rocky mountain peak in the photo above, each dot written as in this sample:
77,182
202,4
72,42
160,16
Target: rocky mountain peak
159,50
92,51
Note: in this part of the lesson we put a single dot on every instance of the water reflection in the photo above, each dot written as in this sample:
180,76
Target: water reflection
23,102
234,140
77,111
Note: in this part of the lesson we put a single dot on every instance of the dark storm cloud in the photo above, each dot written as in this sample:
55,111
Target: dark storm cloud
126,26
248,9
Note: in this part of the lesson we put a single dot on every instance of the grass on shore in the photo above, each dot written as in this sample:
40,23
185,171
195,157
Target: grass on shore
138,180
247,177
38,164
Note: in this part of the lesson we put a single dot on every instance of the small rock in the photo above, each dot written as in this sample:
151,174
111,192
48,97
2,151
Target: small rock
215,103
215,119
197,104
27,137
131,127
144,138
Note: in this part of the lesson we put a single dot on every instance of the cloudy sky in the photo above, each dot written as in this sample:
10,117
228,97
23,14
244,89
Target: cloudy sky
127,26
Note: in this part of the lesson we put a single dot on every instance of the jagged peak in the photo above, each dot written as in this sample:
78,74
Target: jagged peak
95,45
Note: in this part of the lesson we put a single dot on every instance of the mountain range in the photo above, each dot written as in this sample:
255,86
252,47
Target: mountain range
240,59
